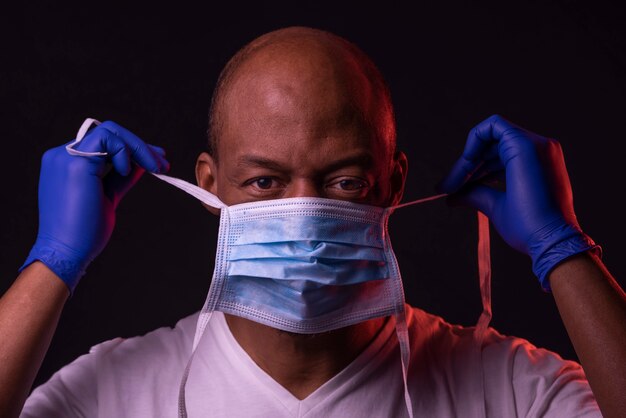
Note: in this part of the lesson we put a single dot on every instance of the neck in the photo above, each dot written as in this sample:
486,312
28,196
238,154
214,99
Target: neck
301,363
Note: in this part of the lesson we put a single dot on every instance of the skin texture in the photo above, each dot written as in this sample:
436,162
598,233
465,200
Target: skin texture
35,302
593,309
294,124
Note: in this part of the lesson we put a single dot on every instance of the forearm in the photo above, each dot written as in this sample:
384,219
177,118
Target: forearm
29,313
593,309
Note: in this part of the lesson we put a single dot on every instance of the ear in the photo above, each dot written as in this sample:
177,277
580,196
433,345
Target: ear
398,178
206,170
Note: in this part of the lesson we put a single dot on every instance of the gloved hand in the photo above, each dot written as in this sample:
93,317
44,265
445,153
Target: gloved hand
78,196
535,212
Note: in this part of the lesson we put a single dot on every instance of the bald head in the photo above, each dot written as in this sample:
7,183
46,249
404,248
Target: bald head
311,71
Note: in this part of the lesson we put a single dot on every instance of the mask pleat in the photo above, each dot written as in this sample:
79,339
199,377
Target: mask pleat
305,250
322,271
300,305
302,229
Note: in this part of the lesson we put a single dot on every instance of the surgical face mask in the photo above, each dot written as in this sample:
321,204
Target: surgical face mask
304,265
309,265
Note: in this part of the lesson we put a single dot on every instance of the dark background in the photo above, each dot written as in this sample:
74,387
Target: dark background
554,67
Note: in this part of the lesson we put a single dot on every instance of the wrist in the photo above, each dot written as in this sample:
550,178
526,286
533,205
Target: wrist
556,246
69,270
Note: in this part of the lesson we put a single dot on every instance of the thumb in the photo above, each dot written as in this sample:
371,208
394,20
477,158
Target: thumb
117,185
477,196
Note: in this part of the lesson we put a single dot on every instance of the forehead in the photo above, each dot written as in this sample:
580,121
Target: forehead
297,135
298,89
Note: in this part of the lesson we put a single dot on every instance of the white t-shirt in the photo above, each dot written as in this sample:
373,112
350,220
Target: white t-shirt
140,377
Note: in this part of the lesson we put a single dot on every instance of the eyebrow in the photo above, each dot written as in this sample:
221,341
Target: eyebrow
257,161
363,159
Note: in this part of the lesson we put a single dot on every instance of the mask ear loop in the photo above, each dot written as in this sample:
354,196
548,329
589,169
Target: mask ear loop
402,331
205,197
82,131
209,305
207,310
199,193
484,275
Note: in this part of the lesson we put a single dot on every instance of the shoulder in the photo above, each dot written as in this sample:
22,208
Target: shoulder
540,381
495,346
165,342
518,377
112,368
432,330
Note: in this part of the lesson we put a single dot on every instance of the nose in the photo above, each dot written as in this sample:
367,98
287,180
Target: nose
303,188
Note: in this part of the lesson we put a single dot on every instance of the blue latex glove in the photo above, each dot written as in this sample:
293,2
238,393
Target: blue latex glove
78,196
534,212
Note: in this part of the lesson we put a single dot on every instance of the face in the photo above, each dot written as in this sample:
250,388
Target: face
293,128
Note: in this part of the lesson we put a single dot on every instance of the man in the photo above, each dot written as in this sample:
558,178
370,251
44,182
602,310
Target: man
302,113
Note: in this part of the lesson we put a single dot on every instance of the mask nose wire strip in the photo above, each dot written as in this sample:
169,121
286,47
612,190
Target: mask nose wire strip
484,274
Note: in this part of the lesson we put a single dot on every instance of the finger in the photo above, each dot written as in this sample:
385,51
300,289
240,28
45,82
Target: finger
157,149
164,165
490,169
481,145
485,134
122,149
121,161
160,154
479,197
101,139
117,185
460,173
465,171
140,152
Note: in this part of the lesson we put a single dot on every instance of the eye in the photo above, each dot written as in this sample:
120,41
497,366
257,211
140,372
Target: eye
350,187
264,183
